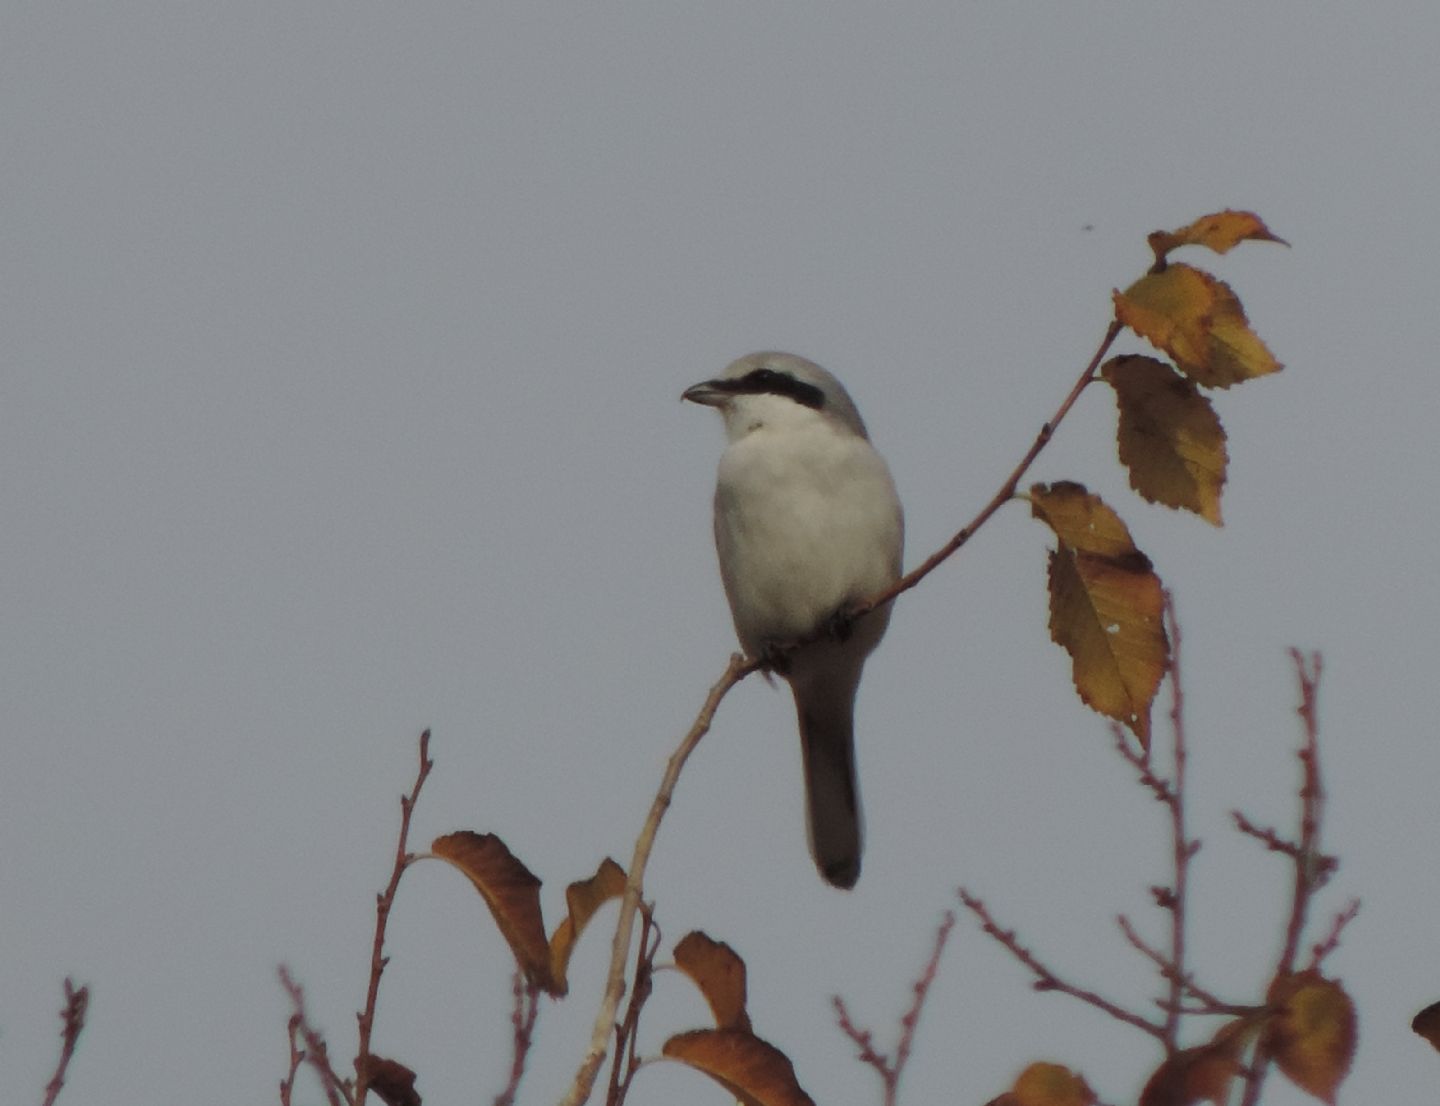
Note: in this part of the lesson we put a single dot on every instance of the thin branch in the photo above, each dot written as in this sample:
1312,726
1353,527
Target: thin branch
1181,847
1007,489
1321,949
584,1081
383,902
1047,980
297,1057
1209,1003
526,1009
1312,867
72,1022
864,1040
316,1054
1266,835
626,1063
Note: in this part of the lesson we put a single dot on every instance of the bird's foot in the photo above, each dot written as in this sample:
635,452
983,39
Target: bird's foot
775,657
840,624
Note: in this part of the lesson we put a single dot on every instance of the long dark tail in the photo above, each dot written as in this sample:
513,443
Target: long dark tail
832,795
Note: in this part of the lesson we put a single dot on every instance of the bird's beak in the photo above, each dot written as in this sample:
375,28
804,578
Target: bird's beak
708,393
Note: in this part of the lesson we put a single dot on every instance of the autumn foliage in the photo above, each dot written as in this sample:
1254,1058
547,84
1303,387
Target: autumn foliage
1110,612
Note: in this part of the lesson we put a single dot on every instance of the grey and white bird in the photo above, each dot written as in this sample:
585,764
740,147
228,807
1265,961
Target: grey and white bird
807,524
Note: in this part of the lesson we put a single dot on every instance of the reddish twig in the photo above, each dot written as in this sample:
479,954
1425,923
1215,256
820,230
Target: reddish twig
297,1057
863,1039
1047,980
1007,489
626,1063
1182,849
1321,949
316,1054
523,1014
383,903
1266,835
1183,984
1311,867
72,1022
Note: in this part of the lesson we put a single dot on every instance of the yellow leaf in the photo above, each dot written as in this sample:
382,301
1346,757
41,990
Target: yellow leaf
1312,1037
1221,232
755,1072
1081,520
1050,1085
1199,322
1106,606
511,892
1170,438
1427,1024
583,897
719,972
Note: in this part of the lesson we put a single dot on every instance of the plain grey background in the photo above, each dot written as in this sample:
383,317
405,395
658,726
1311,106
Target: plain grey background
342,347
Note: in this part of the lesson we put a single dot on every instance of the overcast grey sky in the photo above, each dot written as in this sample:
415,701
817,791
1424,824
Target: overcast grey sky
342,347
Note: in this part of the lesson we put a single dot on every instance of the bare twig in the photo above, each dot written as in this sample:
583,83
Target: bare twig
584,1081
383,903
1209,1003
316,1054
72,1023
1007,489
526,1009
1312,867
863,1039
1047,980
1181,847
626,1063
1321,949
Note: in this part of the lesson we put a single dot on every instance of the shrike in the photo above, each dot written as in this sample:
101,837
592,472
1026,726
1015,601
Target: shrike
807,524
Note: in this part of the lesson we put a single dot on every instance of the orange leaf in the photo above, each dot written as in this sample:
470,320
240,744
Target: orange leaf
1170,438
718,971
583,897
1105,607
511,892
1199,322
1050,1085
1221,232
755,1072
1427,1024
1313,1036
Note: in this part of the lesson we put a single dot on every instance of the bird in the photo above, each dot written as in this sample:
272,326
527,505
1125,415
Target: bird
807,526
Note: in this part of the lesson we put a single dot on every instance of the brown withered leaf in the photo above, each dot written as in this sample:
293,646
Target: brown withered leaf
392,1082
583,897
1221,232
1199,322
1427,1024
754,1071
718,971
1204,1073
1312,1037
1169,437
1043,1084
1106,608
511,892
